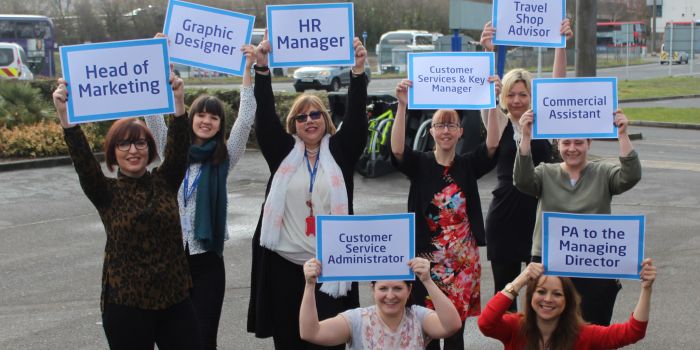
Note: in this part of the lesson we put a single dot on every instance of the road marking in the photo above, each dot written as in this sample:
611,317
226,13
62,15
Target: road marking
661,164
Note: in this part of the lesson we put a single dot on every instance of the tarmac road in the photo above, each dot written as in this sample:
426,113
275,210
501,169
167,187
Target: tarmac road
51,244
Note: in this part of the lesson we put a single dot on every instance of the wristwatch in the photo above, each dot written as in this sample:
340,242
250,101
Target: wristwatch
261,68
510,289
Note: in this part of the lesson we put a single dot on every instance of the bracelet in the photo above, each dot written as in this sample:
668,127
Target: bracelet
510,289
352,70
261,68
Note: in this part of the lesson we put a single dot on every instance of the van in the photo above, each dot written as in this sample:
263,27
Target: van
255,39
393,47
13,62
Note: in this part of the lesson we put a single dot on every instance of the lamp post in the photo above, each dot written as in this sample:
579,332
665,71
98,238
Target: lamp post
691,59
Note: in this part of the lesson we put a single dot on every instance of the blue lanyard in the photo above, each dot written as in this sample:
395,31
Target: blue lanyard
187,194
312,173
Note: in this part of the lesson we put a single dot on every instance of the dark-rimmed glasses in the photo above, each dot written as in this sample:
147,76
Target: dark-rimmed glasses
125,145
315,115
449,126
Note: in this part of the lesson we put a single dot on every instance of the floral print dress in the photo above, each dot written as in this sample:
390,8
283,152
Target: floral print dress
455,265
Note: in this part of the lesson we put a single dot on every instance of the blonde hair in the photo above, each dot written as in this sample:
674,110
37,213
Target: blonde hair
300,104
510,79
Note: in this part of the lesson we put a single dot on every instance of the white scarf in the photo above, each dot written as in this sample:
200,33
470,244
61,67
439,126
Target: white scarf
273,212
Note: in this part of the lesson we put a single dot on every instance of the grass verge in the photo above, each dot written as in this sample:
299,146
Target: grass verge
658,87
664,114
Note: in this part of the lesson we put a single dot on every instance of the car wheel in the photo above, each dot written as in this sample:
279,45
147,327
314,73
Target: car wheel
335,85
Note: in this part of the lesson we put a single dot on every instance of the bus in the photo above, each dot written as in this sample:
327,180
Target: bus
393,47
621,34
36,35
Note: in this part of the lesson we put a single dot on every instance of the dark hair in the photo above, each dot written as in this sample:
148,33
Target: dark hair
410,301
211,104
129,129
568,326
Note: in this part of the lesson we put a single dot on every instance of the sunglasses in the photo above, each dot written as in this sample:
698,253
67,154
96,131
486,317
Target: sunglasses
315,115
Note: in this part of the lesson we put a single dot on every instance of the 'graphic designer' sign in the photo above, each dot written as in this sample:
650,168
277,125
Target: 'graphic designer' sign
574,108
529,23
207,37
453,80
311,34
365,247
117,79
596,246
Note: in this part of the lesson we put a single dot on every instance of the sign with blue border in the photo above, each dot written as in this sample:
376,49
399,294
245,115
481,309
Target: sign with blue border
574,108
117,79
206,37
311,35
451,80
365,247
529,23
593,245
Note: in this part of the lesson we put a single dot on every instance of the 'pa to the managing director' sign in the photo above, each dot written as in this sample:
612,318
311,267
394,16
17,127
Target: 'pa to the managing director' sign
117,79
311,34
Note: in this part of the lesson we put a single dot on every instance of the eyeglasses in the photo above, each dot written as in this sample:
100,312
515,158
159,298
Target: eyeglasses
449,126
315,115
125,145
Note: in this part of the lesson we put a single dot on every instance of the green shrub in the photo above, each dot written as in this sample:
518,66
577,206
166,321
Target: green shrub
21,104
42,139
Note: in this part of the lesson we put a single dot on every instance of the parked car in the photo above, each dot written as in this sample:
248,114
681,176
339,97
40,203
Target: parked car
679,57
13,62
330,78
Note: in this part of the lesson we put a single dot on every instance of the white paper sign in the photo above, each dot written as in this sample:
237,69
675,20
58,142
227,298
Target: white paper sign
117,79
452,80
311,34
529,22
574,108
365,247
207,37
595,246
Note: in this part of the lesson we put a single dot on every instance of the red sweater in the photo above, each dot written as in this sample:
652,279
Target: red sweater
495,323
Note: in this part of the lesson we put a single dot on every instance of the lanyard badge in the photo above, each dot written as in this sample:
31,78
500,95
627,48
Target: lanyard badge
311,220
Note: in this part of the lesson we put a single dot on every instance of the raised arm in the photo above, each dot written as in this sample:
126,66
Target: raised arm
398,129
629,172
157,125
240,131
92,179
354,131
176,148
648,276
525,177
445,320
493,131
330,332
559,69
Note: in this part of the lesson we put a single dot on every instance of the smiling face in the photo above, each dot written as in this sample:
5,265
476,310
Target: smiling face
515,97
548,300
132,161
390,297
301,122
205,125
446,129
574,152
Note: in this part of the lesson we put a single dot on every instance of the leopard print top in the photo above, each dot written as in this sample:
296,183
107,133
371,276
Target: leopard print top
144,263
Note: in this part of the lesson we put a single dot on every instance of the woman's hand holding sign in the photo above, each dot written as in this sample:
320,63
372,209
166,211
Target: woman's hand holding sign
486,40
60,96
360,57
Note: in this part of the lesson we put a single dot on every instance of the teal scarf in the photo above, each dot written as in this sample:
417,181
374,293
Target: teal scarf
210,211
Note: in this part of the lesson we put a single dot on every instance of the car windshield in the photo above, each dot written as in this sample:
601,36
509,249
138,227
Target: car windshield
6,56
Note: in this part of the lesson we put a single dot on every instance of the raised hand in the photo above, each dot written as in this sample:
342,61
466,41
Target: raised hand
566,29
497,81
648,274
178,87
249,53
420,267
262,51
621,122
360,56
60,97
526,121
402,91
486,40
312,269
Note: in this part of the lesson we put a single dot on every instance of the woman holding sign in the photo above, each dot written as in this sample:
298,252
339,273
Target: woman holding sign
312,173
145,281
203,213
579,186
445,198
390,323
511,216
552,317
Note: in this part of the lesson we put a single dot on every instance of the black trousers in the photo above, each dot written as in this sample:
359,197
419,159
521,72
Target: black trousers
130,328
207,294
505,272
597,298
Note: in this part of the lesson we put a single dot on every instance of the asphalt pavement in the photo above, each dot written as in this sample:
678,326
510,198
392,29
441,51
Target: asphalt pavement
52,247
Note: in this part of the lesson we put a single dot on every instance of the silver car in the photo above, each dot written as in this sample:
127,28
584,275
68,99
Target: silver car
321,78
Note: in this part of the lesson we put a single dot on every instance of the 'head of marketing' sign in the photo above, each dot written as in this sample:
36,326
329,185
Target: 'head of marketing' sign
574,108
311,34
529,22
117,79
207,37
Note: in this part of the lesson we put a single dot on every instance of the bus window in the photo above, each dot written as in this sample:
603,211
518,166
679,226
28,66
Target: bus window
7,30
424,40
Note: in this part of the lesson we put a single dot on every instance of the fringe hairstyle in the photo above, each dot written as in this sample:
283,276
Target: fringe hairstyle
211,104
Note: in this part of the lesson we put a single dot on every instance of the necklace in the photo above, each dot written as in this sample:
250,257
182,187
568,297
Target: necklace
312,152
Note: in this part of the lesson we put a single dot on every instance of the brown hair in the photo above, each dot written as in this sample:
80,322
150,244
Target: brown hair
129,129
446,116
510,79
300,104
568,325
211,104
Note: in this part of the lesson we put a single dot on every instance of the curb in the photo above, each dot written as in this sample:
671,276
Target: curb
651,99
42,162
666,125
